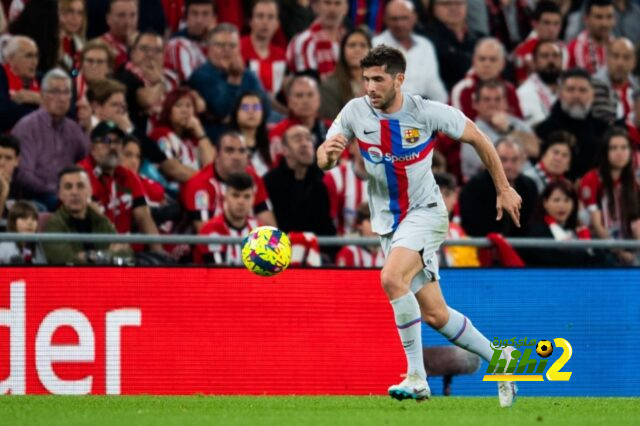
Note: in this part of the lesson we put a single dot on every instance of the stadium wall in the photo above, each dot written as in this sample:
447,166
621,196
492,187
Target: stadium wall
225,331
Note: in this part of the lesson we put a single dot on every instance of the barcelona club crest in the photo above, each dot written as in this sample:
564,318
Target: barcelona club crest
411,135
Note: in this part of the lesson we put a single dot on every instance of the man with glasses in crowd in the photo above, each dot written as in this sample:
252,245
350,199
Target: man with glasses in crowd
49,140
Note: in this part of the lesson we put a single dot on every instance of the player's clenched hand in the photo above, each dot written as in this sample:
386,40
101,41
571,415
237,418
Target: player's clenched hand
510,201
331,150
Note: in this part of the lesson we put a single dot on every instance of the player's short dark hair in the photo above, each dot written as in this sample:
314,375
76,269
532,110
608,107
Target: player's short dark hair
190,3
384,56
558,137
575,73
20,210
596,3
542,43
446,181
240,181
489,84
545,6
10,142
71,170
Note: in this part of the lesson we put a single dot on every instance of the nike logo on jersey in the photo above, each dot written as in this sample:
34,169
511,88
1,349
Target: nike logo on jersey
368,132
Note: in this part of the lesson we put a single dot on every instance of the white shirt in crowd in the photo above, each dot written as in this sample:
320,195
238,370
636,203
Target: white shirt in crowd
423,72
536,99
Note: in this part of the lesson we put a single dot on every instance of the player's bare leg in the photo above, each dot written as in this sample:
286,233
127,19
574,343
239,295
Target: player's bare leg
400,267
460,331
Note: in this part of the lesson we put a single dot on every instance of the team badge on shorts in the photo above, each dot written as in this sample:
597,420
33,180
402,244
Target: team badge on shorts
411,135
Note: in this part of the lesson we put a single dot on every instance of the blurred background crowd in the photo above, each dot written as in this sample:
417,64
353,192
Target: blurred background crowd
203,117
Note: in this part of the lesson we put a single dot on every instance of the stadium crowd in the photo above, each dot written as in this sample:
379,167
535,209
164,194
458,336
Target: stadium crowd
203,116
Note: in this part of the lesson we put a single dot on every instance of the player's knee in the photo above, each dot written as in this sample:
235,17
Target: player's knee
393,284
436,317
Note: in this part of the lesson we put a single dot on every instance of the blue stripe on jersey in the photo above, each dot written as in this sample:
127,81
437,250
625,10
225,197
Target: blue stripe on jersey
392,179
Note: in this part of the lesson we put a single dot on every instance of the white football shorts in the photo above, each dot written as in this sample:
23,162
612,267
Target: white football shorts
422,230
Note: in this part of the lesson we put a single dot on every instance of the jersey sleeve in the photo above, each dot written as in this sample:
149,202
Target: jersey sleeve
444,118
343,123
588,190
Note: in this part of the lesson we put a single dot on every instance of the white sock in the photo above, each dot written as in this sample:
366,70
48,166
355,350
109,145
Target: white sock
461,332
409,323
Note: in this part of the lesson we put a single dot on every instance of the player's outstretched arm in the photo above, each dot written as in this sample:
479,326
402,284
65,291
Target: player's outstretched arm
507,197
330,151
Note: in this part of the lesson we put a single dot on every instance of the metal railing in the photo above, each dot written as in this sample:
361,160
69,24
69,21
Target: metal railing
323,241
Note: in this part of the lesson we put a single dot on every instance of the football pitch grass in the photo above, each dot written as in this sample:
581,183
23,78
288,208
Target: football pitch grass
312,410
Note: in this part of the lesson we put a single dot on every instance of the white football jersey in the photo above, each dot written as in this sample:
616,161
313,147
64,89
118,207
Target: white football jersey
397,149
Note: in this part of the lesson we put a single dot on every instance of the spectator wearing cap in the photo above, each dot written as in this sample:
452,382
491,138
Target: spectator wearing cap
117,192
19,89
555,158
572,113
49,140
489,60
423,73
75,216
614,84
223,78
453,39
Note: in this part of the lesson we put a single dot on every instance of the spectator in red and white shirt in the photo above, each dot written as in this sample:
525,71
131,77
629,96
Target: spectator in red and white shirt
347,188
353,256
187,49
179,132
317,47
547,23
303,101
589,49
616,83
117,192
146,78
263,57
488,63
122,20
610,193
72,18
235,220
202,195
538,92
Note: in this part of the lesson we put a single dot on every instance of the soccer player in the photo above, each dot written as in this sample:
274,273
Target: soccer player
394,133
